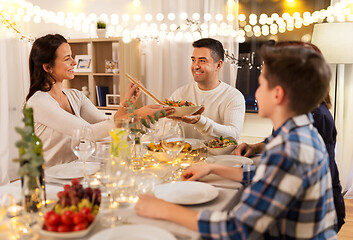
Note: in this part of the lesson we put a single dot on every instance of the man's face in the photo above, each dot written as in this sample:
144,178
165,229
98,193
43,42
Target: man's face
203,68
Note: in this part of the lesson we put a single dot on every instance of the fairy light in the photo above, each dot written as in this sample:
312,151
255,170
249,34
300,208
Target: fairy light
207,17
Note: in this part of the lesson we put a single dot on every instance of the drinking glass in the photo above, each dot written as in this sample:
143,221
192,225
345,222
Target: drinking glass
173,142
83,146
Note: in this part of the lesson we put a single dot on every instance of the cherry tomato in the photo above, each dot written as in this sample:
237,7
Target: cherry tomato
54,219
47,214
79,227
85,210
90,217
67,218
64,228
51,228
78,218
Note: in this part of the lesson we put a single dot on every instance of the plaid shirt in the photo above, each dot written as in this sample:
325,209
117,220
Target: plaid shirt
289,194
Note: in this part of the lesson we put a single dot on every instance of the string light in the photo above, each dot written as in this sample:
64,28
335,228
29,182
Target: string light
212,25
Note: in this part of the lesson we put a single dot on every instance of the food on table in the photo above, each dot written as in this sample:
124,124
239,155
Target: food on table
178,103
221,142
157,147
75,210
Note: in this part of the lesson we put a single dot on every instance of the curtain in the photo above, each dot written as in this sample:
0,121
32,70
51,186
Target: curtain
166,63
14,84
344,150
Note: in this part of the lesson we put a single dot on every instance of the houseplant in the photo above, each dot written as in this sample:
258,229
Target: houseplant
101,29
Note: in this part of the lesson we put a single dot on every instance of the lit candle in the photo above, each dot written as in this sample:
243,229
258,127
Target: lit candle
20,227
14,211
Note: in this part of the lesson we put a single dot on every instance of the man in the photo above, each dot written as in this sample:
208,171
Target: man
224,106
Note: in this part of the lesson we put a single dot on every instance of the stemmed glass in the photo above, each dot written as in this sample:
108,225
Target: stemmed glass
83,146
173,142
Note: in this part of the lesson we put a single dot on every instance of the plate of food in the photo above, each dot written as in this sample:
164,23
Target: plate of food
75,213
186,193
182,108
158,152
221,145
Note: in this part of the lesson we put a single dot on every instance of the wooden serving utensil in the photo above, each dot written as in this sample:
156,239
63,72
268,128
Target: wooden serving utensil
143,89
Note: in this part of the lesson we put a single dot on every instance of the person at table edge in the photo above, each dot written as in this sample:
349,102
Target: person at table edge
224,106
58,111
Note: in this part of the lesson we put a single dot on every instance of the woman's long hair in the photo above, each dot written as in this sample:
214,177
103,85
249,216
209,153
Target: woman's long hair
43,52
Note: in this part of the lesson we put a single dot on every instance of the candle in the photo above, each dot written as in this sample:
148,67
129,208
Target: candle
14,211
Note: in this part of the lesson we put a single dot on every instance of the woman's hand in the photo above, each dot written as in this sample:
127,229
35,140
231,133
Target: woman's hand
192,119
152,109
132,93
194,173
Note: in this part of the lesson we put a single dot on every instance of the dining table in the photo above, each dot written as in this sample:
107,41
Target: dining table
227,191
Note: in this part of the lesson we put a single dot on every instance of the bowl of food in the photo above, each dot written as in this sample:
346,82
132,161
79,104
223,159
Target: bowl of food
182,108
74,214
221,145
158,152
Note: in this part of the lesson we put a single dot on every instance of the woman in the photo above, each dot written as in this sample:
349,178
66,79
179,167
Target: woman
57,111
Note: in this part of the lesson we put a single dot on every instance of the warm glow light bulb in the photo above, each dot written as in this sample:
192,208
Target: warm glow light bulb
183,16
148,17
231,3
219,17
171,16
230,17
196,16
241,17
125,17
159,17
207,17
290,1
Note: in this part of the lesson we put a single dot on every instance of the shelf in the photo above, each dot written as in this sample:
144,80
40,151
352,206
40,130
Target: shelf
106,74
108,108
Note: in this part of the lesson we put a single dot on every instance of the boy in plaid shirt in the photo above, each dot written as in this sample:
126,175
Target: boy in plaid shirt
289,194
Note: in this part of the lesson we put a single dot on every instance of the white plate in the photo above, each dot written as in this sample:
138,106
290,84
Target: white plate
70,170
133,232
67,235
229,160
186,193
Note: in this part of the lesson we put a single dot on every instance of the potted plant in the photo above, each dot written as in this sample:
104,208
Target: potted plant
101,29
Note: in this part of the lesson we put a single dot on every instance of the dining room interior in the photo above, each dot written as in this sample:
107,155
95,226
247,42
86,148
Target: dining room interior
115,42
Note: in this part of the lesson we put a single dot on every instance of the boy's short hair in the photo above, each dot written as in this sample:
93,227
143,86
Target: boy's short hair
302,72
216,47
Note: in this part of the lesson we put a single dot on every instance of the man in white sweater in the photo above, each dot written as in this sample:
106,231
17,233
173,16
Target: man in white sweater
224,106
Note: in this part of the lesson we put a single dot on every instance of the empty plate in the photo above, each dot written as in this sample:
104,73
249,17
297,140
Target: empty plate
186,193
70,170
229,160
134,232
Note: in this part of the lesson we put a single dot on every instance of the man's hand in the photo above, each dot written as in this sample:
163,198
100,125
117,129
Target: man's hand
192,119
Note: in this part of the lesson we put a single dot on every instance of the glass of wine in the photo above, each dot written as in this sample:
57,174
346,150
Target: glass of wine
173,142
83,146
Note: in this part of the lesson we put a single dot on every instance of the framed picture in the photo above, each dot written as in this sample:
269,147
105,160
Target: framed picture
84,63
113,100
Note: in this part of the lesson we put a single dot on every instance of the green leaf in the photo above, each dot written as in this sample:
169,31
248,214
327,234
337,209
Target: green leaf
156,115
151,119
164,113
130,110
145,123
21,144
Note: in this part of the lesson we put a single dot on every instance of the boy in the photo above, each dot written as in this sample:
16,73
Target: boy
289,194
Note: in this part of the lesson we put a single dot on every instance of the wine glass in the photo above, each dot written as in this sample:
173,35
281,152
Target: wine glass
173,142
83,146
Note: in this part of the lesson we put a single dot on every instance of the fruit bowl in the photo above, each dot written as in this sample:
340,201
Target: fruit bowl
74,214
68,235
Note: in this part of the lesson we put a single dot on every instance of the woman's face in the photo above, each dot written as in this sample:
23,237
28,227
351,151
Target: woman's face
64,64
